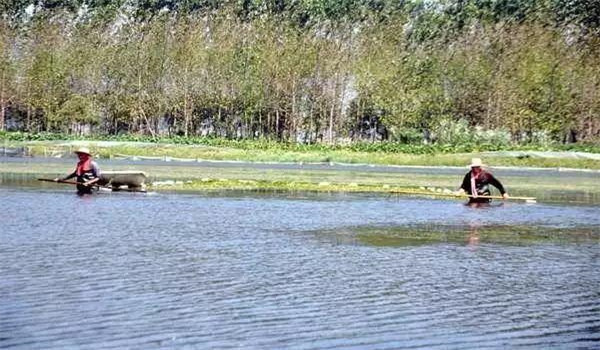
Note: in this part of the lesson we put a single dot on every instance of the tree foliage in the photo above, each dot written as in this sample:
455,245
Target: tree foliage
303,70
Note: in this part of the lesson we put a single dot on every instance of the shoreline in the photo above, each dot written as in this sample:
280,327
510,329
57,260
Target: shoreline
305,165
133,151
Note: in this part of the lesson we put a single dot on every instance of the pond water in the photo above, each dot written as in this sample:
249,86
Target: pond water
248,271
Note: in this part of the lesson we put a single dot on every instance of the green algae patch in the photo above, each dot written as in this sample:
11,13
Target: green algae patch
422,235
207,184
390,241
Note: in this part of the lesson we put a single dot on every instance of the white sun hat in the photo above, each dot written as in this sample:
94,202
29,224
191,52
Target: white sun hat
84,150
476,162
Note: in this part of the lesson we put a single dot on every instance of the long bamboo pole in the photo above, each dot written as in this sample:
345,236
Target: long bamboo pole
96,185
526,199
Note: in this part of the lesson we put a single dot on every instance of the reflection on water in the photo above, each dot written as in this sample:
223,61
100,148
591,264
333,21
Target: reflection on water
248,271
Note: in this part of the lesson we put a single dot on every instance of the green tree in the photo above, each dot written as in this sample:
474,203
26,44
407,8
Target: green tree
8,71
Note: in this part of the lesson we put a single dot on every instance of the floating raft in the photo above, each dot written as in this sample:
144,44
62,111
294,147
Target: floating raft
118,179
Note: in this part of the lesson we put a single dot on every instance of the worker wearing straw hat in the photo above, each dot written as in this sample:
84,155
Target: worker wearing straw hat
477,183
86,171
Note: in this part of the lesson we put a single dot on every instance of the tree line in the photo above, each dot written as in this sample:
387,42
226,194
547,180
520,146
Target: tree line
309,71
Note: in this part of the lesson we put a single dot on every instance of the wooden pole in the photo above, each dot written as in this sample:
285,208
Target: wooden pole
81,183
527,199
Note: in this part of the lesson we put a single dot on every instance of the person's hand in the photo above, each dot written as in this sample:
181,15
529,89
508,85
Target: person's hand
87,183
460,192
56,179
505,196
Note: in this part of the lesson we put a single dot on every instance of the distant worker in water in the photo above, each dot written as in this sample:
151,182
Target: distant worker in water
477,183
87,172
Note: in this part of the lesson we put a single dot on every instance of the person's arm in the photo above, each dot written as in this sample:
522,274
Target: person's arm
466,184
493,181
70,176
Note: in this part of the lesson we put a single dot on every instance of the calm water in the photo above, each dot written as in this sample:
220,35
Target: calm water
246,271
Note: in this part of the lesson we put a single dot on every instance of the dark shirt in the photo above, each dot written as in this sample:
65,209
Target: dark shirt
482,183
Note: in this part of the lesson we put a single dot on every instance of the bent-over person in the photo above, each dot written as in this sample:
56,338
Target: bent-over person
477,183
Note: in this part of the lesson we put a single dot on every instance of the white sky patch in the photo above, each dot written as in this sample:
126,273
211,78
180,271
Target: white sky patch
29,10
83,10
349,94
124,17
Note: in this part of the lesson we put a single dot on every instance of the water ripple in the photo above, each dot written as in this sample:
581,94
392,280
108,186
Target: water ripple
189,272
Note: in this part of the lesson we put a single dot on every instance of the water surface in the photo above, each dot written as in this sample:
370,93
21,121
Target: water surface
304,271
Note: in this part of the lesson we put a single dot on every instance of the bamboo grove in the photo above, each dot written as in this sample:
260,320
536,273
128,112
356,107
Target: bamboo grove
324,72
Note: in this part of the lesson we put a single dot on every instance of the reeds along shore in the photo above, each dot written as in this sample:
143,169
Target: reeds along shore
458,71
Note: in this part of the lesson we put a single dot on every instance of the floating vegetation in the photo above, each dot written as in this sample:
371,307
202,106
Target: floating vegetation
573,188
427,234
267,185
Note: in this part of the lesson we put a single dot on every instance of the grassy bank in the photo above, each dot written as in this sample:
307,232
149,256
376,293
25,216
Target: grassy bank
260,151
269,144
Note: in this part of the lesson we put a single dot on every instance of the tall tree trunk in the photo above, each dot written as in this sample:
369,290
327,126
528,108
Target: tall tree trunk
2,112
2,104
259,123
277,131
294,131
219,131
140,108
28,119
267,127
186,117
2,115
331,113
